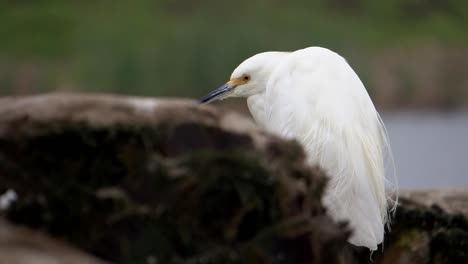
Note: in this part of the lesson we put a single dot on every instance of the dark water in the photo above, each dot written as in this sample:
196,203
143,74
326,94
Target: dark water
430,149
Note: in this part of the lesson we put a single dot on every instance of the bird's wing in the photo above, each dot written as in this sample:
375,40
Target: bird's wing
317,99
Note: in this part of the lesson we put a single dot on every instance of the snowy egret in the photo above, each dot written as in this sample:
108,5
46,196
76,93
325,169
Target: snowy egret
312,95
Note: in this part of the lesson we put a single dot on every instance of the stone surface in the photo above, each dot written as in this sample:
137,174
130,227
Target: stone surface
137,180
429,227
19,245
452,201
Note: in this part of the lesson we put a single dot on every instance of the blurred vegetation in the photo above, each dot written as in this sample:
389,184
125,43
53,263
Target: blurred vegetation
185,48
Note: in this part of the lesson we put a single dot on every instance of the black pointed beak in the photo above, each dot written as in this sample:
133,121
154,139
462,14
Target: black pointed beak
217,94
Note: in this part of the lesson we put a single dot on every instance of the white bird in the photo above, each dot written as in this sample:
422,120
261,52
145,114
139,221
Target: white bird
312,95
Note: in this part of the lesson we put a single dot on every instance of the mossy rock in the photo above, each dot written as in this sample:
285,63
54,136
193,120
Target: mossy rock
429,230
135,180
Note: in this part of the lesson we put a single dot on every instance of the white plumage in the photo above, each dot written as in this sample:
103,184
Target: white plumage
313,95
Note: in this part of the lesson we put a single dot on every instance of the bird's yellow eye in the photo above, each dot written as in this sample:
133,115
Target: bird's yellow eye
246,77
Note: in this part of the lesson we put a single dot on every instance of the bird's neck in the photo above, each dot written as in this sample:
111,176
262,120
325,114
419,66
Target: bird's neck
256,104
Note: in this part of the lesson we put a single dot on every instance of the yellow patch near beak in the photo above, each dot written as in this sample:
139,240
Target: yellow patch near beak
237,82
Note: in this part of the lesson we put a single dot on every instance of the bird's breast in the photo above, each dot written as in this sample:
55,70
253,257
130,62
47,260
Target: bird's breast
256,104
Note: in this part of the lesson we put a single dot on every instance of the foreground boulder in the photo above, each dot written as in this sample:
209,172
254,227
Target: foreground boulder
134,180
19,245
429,227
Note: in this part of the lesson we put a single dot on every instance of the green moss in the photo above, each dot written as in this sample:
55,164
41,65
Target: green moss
410,237
446,234
450,246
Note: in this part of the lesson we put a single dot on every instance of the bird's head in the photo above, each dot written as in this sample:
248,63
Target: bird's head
249,78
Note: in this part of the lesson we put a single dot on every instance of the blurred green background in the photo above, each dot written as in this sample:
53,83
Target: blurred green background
409,53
